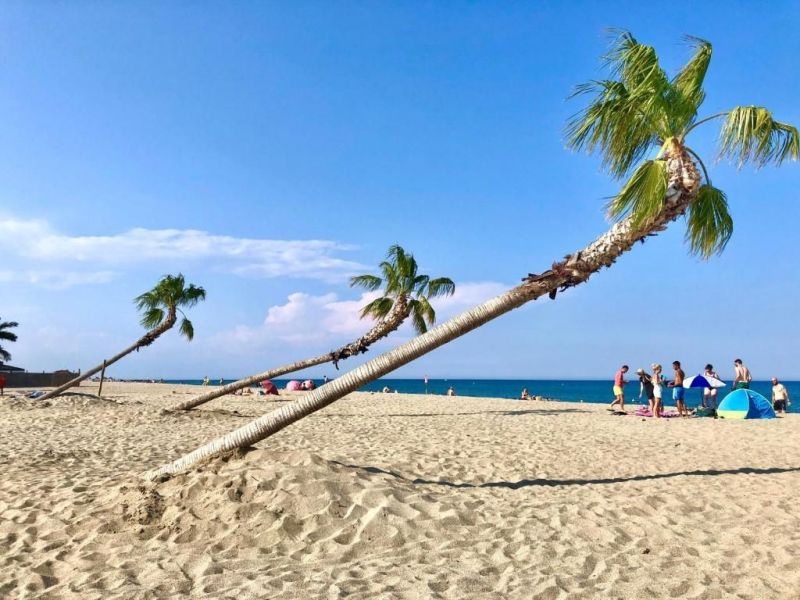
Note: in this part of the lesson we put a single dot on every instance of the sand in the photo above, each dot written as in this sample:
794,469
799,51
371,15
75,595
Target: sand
394,496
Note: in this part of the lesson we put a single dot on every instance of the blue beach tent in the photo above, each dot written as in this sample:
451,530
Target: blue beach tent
745,404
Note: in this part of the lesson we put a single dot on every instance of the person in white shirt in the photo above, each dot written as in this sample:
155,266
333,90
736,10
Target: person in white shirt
780,396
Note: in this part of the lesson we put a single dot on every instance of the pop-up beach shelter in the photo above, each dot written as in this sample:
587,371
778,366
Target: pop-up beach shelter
745,404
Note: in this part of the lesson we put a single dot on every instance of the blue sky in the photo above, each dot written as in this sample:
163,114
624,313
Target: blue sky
269,150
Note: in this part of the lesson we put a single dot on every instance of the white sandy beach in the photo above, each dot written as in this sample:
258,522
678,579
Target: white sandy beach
395,496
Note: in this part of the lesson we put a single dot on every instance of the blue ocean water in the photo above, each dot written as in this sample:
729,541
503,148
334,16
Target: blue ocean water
598,391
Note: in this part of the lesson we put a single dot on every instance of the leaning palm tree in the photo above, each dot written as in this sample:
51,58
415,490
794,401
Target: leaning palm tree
160,307
7,336
406,293
638,112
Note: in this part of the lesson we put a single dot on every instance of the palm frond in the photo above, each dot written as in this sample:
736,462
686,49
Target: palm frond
709,225
190,296
642,196
187,329
147,300
390,276
4,355
614,124
6,335
441,286
152,318
426,310
368,282
750,134
635,64
378,308
418,317
688,84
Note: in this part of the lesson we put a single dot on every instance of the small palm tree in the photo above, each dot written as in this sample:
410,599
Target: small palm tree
637,113
7,336
406,294
160,307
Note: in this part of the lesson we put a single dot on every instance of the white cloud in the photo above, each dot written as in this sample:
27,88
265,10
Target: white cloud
37,241
305,318
55,280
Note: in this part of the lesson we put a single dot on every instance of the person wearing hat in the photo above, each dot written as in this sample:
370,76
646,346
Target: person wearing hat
646,388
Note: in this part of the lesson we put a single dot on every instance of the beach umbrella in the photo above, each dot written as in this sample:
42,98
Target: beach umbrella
269,387
703,381
294,386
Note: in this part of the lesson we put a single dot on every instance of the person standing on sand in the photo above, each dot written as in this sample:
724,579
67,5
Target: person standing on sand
2,385
646,388
710,394
655,378
678,393
524,395
742,379
451,391
780,396
619,392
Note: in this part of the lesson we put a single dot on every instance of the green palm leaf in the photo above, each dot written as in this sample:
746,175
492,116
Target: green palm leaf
688,84
709,225
750,134
187,329
152,318
642,196
368,282
378,308
441,286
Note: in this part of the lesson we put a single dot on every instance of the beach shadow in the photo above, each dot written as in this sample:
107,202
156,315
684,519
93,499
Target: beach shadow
523,483
509,413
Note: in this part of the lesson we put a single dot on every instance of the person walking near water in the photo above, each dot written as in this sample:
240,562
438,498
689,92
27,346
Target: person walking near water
710,394
742,379
619,392
780,396
678,393
655,378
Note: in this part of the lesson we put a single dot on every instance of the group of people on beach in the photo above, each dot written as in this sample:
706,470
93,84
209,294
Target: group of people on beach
651,386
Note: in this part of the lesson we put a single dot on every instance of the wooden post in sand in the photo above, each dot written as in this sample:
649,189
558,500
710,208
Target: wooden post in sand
102,376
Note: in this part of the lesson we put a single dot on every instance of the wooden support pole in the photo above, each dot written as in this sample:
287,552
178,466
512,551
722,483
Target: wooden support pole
102,376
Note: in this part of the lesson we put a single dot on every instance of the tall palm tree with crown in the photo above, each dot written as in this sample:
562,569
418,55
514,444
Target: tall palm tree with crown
406,294
639,121
160,308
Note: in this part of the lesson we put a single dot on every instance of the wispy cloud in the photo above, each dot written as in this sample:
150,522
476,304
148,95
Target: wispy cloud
37,241
55,280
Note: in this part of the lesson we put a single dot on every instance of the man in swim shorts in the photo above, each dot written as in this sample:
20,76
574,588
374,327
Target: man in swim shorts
780,396
677,389
742,378
619,384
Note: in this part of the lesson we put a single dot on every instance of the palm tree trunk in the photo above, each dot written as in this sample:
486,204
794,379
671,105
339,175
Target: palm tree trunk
384,327
147,339
573,270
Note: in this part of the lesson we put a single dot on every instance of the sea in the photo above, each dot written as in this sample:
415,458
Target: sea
566,390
